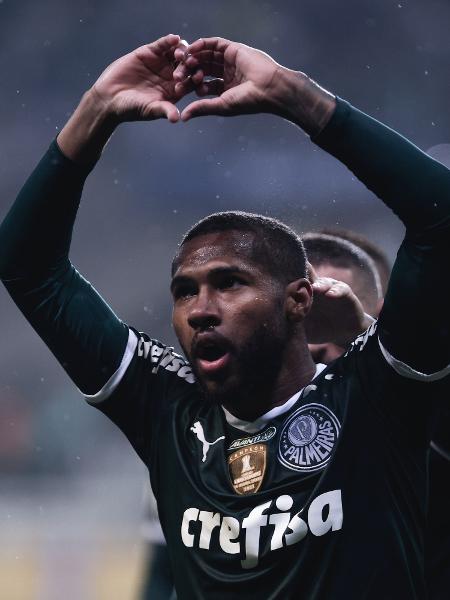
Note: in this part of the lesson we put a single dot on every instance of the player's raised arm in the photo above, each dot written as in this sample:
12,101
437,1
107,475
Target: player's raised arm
244,80
78,326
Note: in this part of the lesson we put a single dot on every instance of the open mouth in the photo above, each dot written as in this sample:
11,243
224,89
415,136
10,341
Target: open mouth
211,353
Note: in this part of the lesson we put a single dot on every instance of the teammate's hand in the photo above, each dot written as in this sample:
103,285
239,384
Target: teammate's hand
336,315
243,79
140,85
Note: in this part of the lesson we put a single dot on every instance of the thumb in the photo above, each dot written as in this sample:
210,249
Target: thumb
165,109
199,108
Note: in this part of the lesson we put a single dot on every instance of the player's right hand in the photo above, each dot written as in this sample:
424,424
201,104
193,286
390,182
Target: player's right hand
140,85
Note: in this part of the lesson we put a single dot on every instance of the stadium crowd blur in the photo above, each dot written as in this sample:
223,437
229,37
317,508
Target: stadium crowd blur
71,490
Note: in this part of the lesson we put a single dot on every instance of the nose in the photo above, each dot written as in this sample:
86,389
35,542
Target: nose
204,312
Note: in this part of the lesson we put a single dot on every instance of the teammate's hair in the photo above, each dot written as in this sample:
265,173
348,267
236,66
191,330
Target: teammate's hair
276,246
376,254
331,250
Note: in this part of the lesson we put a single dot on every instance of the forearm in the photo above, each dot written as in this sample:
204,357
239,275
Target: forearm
88,130
302,101
36,233
413,185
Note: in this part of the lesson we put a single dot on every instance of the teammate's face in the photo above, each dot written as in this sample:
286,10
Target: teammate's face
229,315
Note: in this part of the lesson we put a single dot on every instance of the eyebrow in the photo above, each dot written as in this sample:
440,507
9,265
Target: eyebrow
231,270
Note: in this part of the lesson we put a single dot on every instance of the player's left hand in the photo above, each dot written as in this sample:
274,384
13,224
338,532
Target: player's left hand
336,315
242,79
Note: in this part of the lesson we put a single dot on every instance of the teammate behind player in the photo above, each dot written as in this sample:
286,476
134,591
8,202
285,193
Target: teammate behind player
256,463
378,256
336,258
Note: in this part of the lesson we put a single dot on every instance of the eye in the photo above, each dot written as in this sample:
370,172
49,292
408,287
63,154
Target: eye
228,282
184,291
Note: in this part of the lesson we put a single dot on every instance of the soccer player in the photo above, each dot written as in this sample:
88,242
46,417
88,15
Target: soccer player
272,480
378,256
334,258
336,314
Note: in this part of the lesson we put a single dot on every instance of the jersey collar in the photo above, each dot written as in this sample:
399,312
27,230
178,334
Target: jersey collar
260,422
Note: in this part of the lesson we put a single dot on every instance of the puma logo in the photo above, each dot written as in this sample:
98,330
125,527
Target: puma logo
197,428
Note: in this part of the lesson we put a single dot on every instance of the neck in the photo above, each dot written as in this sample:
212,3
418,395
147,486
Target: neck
296,371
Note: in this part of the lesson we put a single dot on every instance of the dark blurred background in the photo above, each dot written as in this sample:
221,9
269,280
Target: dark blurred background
70,487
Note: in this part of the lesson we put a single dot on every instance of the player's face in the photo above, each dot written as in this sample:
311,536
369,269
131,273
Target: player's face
228,314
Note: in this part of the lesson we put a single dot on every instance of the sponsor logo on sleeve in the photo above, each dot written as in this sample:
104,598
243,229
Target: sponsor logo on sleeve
308,438
164,357
360,342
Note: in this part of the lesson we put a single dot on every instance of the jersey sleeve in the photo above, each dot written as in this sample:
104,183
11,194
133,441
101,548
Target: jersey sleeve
400,404
413,328
140,396
78,326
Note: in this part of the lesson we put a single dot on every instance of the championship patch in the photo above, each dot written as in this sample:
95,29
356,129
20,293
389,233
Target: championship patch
264,436
308,438
247,468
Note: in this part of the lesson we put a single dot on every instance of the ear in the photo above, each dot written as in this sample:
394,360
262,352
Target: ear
298,299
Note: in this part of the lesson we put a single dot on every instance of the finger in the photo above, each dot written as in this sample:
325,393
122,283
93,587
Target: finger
172,53
184,87
339,289
204,56
197,77
180,51
198,108
181,72
211,63
213,87
321,286
165,43
184,70
213,43
165,109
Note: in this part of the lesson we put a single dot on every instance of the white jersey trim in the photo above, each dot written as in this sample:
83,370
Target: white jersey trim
440,450
260,422
116,377
406,371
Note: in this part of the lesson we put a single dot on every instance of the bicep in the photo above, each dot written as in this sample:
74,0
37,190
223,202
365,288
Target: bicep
77,325
414,323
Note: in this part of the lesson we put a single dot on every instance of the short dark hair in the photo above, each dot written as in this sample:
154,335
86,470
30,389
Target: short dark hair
327,249
276,246
375,252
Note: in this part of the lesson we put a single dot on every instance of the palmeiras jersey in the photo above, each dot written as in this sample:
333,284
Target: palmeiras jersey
323,497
